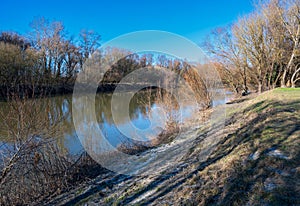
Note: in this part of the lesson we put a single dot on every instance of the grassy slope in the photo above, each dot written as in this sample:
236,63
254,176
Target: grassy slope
255,162
258,162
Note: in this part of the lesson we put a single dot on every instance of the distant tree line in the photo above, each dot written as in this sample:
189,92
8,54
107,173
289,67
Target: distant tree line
45,58
47,61
260,51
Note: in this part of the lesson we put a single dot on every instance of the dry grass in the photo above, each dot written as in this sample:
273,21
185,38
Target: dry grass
247,170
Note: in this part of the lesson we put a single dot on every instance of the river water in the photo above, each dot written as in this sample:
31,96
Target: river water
144,112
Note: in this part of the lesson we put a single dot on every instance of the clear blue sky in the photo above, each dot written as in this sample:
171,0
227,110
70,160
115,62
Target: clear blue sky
190,18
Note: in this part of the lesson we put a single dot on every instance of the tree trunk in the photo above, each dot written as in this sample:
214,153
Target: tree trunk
288,84
260,85
293,80
290,63
283,83
245,81
276,80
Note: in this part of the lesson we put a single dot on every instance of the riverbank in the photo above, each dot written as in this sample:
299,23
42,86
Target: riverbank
253,160
36,91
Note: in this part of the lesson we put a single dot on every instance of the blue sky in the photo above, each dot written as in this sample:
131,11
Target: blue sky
189,18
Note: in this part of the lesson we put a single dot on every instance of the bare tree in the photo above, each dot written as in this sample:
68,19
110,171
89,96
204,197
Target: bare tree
88,43
264,46
251,35
230,57
289,17
72,59
48,38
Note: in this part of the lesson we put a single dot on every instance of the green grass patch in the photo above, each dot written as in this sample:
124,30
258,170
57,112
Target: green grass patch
287,90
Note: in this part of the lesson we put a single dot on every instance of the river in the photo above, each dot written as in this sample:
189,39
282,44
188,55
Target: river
144,112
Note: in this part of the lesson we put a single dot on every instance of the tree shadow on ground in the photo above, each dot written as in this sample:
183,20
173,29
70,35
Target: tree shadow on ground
248,182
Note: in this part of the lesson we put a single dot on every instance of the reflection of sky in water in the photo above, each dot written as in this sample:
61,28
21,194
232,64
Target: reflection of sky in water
219,100
142,122
72,143
146,125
